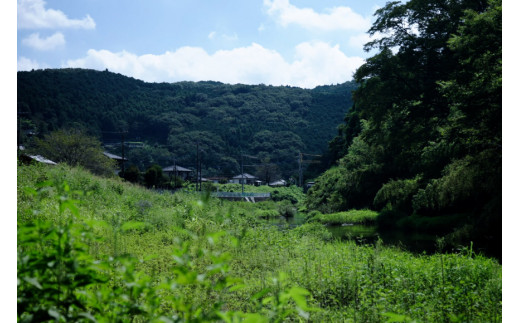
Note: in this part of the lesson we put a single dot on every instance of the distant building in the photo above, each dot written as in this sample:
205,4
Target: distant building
181,172
278,183
217,180
307,186
27,159
246,178
119,160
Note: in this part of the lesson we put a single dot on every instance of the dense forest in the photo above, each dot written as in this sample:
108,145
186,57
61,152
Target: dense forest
422,142
271,123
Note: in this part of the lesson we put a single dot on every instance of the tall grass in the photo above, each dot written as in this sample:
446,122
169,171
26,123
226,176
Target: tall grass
348,217
123,253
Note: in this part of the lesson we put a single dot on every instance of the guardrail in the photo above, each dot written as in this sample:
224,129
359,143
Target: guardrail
239,194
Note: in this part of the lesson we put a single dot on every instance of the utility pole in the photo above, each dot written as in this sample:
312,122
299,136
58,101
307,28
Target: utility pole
122,133
197,170
200,171
123,154
300,170
175,174
300,165
242,159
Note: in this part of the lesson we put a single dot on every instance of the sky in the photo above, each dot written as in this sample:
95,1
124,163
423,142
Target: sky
279,42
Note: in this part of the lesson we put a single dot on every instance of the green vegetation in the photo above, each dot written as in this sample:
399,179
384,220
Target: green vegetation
348,217
101,249
420,150
272,123
74,147
422,143
291,193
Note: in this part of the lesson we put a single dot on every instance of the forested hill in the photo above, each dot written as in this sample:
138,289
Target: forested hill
271,122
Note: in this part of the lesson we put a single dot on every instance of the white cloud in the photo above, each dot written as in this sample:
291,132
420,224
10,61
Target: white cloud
232,37
314,64
226,37
49,43
26,64
32,14
337,18
358,41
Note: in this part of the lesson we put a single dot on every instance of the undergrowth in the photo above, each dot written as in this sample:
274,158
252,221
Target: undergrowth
92,249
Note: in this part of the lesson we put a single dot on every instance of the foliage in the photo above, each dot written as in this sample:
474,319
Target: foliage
132,174
76,148
153,177
226,265
292,193
168,119
424,133
397,194
349,217
286,209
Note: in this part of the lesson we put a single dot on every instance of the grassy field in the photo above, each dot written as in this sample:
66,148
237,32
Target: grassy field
93,249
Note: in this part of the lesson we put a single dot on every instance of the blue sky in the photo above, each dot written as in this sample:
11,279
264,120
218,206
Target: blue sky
280,42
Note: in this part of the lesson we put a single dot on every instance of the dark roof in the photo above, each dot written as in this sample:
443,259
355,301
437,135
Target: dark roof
245,175
179,169
112,156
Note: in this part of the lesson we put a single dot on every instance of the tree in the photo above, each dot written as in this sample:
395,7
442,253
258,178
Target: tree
267,171
132,174
426,115
75,148
153,177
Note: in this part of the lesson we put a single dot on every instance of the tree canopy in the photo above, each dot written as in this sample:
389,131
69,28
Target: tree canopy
75,148
424,133
168,119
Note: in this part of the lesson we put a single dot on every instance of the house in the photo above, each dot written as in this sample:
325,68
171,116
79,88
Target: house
181,172
117,158
217,180
307,186
27,159
278,183
244,178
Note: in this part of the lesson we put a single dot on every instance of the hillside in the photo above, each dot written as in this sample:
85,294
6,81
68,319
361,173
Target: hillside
270,122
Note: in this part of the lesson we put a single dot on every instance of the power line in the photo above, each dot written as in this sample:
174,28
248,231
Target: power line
301,162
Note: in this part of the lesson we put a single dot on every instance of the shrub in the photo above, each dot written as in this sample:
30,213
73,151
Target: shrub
285,208
316,230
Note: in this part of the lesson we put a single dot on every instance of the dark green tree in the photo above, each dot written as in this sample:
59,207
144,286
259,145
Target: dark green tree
424,135
75,148
132,174
153,177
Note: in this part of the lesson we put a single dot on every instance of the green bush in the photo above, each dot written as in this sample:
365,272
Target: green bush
314,230
286,209
352,216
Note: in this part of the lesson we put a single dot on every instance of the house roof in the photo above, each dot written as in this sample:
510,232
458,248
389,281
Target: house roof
112,156
42,159
278,182
245,175
179,169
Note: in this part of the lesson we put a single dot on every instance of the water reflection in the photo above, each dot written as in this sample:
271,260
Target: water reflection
416,242
369,234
